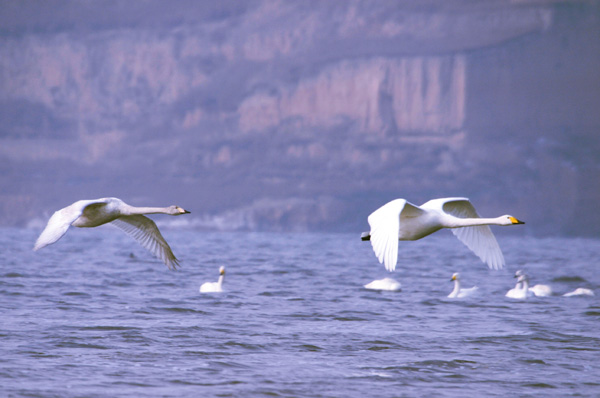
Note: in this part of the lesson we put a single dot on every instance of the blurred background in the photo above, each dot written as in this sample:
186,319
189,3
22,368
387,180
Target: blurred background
302,115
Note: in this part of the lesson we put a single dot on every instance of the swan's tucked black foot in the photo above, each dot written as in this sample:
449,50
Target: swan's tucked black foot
365,236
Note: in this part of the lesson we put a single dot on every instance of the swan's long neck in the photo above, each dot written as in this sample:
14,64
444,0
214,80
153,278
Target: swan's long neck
456,288
147,210
456,222
519,286
220,281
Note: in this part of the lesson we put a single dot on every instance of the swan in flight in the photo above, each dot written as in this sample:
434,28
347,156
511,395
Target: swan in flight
130,219
580,291
537,290
388,284
459,292
521,289
401,220
214,287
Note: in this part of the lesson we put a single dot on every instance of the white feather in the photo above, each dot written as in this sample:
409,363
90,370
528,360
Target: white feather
92,213
401,220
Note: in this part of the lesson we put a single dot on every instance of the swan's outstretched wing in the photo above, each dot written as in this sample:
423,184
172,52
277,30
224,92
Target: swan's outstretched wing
60,222
385,230
479,239
146,233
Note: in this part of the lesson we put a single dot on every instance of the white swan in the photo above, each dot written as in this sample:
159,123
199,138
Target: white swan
130,219
537,290
388,284
459,292
521,289
580,291
401,220
214,287
515,291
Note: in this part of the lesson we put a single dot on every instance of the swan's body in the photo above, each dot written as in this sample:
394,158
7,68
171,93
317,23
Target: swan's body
388,284
401,220
521,290
458,291
541,290
580,291
130,219
214,287
538,290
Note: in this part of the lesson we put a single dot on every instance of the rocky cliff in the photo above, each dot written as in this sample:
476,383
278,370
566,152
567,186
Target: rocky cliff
301,115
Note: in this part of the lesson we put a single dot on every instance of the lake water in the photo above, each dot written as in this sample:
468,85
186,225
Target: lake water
97,316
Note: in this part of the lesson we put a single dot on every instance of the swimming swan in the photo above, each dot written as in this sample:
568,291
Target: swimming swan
537,290
388,284
580,291
401,220
521,289
130,219
214,287
459,292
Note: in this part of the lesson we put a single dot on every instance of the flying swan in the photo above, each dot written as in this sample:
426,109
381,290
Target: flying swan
401,220
214,287
130,219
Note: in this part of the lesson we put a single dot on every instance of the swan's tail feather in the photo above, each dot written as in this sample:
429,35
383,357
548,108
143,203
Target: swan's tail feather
58,225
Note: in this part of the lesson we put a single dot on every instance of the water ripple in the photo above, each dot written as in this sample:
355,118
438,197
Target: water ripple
294,320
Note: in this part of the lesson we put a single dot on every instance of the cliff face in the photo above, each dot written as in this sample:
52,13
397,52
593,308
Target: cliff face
382,96
267,109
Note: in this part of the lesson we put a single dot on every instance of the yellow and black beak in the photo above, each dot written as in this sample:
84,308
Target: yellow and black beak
515,221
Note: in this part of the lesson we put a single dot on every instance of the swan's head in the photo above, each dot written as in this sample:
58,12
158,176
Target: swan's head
222,270
176,210
510,220
519,273
522,278
455,276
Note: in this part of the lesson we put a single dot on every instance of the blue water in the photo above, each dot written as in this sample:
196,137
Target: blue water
96,316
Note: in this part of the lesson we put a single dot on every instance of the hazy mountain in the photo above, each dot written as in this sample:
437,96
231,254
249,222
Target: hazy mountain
300,115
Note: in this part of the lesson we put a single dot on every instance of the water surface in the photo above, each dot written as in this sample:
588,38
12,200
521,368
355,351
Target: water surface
95,315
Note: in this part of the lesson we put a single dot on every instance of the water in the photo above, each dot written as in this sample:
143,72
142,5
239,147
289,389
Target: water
95,315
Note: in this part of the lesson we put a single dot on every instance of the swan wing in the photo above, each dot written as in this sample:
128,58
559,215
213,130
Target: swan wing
146,233
385,230
60,222
210,287
388,284
541,290
468,292
479,239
